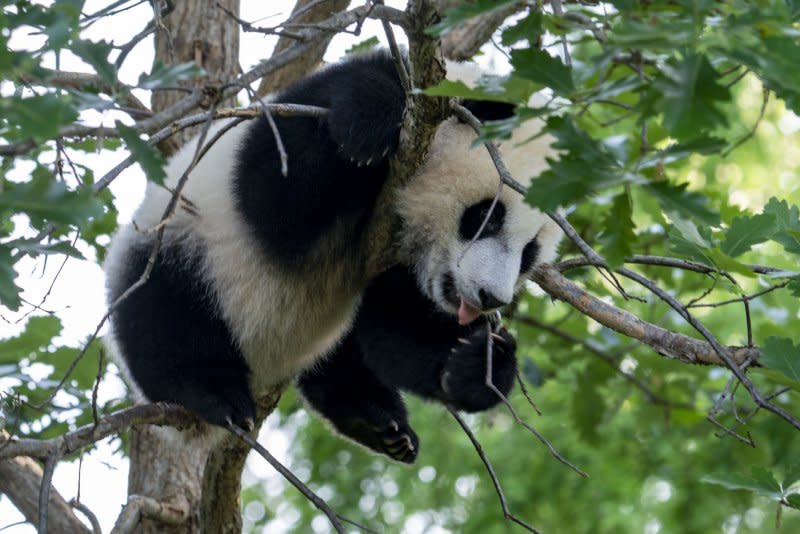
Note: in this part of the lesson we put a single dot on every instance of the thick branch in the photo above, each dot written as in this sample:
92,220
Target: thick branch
199,96
20,480
664,342
464,41
110,425
304,12
172,512
423,114
85,81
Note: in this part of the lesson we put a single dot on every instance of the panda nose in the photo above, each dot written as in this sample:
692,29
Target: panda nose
489,301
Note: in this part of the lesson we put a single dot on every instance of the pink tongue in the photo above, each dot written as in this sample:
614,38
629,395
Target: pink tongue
467,313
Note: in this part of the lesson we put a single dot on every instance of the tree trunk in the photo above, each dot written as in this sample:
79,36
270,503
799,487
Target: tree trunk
199,32
308,11
168,465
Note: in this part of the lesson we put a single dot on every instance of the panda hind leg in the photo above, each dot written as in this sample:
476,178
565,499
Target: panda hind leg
346,393
175,345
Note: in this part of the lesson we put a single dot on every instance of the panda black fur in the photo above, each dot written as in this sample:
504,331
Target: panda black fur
261,279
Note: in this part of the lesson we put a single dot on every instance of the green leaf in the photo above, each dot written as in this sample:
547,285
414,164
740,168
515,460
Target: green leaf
792,476
772,58
38,117
761,482
150,159
618,234
96,55
777,377
680,151
748,231
461,13
33,247
364,45
658,33
38,334
166,75
588,406
690,97
585,166
782,355
726,263
9,291
787,220
539,66
458,89
48,199
687,204
528,28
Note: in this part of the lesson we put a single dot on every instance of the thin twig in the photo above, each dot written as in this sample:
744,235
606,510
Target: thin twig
315,499
723,352
490,469
275,133
109,425
289,110
607,358
402,71
82,508
96,388
490,384
558,9
526,394
44,490
743,298
752,132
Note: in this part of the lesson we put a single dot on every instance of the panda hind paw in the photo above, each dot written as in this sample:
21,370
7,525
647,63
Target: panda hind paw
222,408
383,433
399,442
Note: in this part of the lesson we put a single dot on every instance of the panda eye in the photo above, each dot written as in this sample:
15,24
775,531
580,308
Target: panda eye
474,215
529,255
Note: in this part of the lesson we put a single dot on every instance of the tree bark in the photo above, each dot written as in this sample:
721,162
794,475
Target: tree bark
199,32
20,480
168,465
311,58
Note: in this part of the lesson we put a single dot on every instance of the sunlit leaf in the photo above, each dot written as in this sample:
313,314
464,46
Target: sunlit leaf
782,355
746,231
38,334
539,66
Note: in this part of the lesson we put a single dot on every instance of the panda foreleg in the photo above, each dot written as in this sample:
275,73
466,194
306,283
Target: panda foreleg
346,393
409,343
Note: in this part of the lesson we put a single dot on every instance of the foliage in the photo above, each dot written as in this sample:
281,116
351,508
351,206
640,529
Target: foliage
674,133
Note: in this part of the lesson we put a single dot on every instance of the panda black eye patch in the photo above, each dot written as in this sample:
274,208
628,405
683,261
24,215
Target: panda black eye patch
529,254
474,215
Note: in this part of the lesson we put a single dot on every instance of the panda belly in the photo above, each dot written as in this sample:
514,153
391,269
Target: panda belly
282,321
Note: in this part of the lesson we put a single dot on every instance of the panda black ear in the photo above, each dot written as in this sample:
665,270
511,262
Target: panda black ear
487,110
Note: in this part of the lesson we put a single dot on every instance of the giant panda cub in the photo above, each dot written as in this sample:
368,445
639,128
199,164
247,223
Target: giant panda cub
260,277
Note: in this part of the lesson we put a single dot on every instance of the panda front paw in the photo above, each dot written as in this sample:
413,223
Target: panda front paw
463,379
365,137
367,151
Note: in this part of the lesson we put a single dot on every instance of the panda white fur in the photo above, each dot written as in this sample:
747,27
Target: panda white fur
260,278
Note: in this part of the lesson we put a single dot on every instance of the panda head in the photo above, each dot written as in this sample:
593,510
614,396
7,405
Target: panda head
444,205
